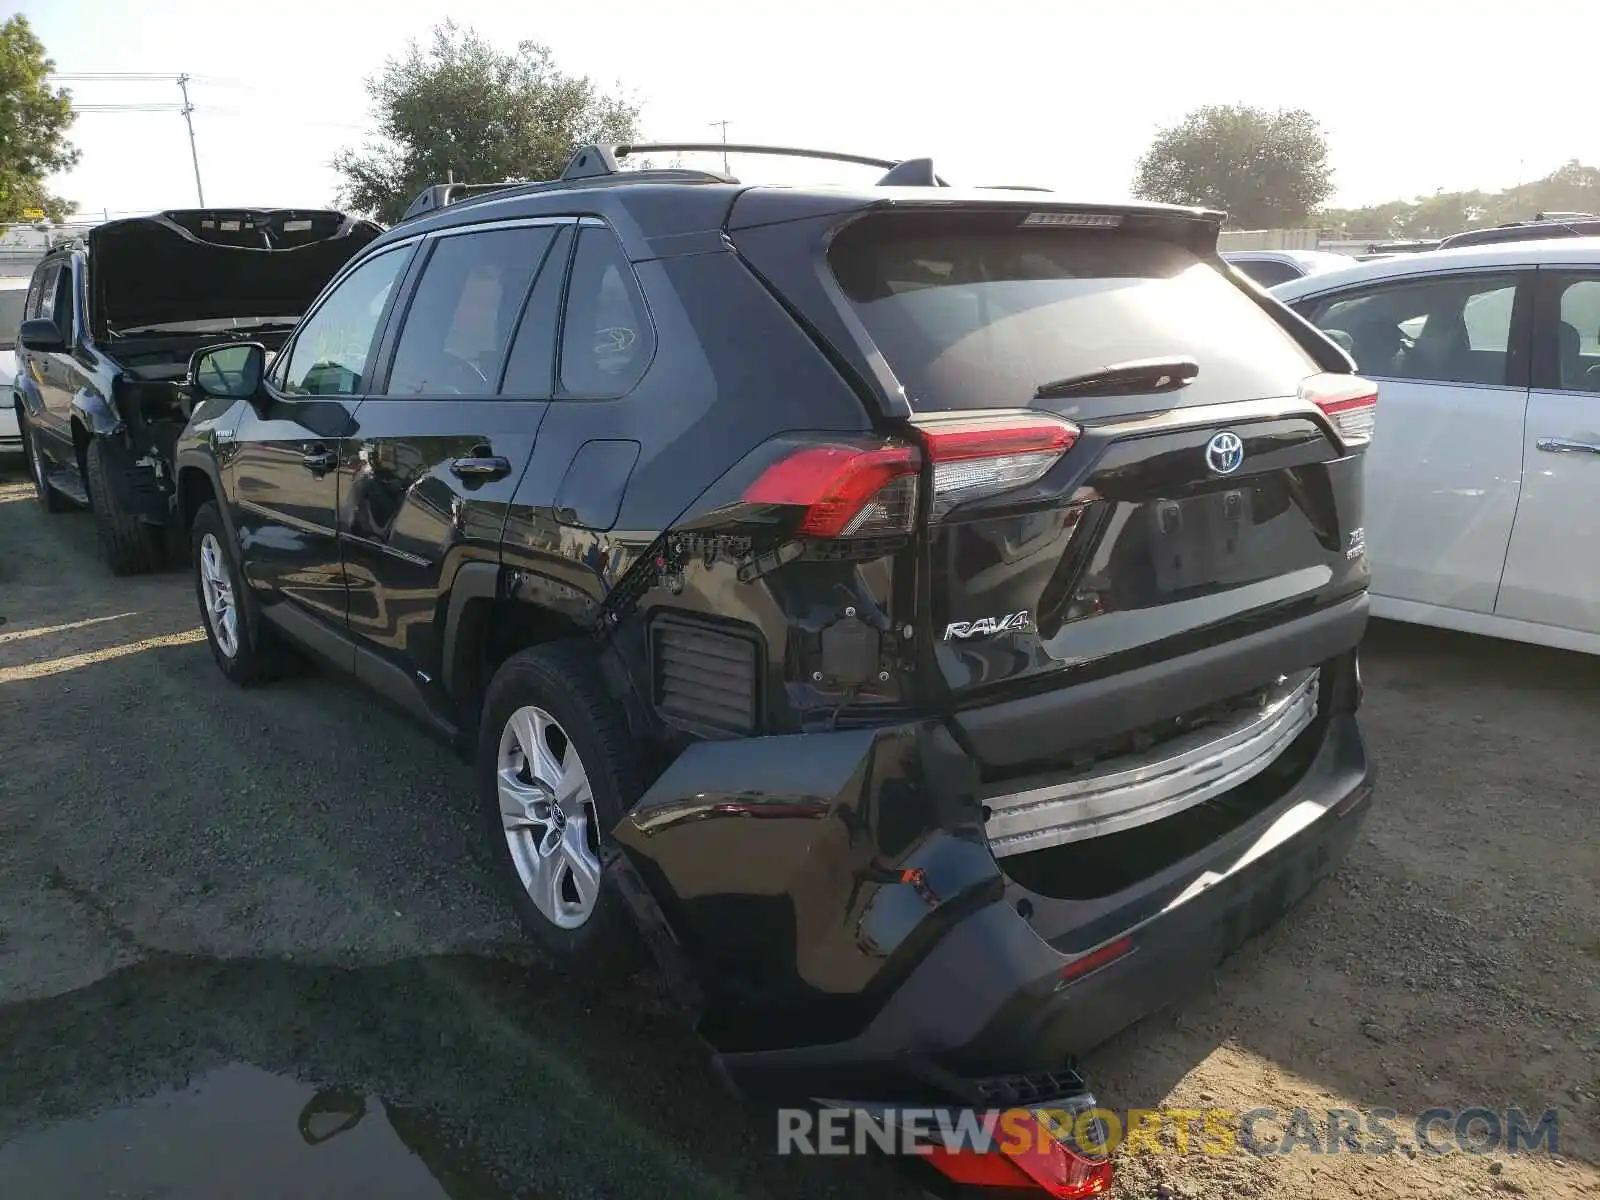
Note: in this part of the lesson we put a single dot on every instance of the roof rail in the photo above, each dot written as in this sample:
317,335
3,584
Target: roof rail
597,161
910,172
441,194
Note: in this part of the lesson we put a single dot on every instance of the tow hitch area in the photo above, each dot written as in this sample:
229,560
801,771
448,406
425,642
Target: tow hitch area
1016,1143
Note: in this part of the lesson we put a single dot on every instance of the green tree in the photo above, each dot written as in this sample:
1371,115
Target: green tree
462,109
33,125
1266,170
1571,187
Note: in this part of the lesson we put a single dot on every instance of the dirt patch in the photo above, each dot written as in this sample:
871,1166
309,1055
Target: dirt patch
1450,964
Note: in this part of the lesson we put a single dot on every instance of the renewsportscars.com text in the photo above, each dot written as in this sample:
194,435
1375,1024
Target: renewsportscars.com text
1099,1131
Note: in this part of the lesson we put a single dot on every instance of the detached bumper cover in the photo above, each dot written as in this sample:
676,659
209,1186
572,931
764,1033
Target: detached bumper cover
988,997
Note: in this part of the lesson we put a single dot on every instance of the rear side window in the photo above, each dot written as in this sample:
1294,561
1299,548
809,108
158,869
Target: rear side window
972,314
606,336
460,319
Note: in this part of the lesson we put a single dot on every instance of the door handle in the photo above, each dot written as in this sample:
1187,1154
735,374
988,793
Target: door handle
320,460
1566,446
491,467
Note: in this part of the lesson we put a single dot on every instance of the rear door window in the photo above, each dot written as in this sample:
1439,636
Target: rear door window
459,323
970,313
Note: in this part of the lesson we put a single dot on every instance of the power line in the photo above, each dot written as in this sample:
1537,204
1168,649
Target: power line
105,108
110,76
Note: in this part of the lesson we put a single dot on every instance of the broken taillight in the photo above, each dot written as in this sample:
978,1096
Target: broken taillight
849,490
985,454
1349,401
844,490
1041,1164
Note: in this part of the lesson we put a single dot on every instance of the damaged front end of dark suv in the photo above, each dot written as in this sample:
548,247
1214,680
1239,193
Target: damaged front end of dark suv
129,304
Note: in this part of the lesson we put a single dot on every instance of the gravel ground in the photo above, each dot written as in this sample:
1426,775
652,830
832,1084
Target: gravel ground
254,931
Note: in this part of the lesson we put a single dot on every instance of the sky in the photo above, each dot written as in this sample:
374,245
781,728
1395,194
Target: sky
1414,97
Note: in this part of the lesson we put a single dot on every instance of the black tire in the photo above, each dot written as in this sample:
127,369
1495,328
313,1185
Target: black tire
255,658
563,679
49,499
129,546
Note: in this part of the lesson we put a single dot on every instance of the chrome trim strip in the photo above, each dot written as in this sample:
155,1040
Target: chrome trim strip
1135,789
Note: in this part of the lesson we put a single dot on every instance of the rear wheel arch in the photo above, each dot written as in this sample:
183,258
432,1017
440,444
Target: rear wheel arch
493,613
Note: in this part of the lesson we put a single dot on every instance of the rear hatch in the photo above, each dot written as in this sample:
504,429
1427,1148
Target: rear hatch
1129,456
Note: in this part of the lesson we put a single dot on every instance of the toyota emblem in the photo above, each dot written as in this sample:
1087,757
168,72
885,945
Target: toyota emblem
1225,453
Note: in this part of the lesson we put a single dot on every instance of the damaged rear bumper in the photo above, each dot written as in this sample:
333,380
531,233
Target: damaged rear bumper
851,933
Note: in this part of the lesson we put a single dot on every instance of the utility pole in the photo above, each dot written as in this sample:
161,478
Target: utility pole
723,125
194,154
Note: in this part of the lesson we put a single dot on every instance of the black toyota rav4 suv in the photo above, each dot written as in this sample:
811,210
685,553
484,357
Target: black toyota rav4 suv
930,614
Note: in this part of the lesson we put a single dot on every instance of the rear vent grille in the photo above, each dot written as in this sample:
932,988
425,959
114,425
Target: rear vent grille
704,677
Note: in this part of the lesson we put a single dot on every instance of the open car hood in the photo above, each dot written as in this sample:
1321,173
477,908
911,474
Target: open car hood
206,264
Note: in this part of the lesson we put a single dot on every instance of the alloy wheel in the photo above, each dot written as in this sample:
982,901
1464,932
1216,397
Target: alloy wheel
217,587
548,814
41,478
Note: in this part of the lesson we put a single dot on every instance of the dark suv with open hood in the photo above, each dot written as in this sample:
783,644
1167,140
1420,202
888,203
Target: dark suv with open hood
932,612
108,329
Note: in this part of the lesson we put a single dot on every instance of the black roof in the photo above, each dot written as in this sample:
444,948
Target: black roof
654,210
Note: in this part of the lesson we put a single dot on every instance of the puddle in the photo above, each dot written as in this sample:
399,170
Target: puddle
457,1077
245,1134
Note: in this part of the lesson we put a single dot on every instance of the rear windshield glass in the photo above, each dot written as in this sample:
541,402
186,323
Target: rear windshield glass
969,314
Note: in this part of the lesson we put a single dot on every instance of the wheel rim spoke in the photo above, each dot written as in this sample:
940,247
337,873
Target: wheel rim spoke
516,802
572,792
582,863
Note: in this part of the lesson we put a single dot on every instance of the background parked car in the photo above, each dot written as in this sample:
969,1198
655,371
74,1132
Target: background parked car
13,293
1268,267
105,396
1545,226
1485,474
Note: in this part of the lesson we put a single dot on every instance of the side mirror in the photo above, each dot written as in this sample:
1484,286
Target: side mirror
41,334
230,372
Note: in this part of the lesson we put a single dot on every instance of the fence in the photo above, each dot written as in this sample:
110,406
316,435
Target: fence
1268,239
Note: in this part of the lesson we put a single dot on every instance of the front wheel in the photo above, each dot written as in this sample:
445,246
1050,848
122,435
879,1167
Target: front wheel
129,545
557,770
221,593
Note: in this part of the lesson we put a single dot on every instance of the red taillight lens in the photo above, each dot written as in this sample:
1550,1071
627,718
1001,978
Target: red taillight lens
983,455
846,491
1349,401
1041,1166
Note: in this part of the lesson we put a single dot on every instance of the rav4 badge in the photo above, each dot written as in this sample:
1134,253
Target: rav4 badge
1017,622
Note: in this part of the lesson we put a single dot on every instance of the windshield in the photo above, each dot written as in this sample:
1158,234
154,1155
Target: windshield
11,305
969,314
